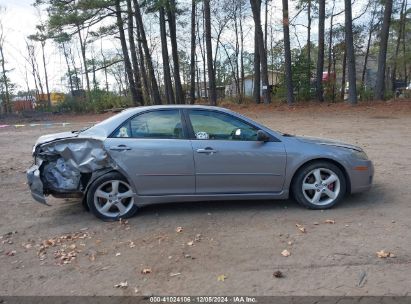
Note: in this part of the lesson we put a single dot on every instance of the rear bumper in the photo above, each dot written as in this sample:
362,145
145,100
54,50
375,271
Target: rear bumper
35,184
361,176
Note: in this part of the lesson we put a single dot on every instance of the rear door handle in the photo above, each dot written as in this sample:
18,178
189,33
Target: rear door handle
207,150
120,148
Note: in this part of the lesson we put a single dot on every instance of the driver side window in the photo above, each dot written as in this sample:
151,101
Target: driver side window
220,126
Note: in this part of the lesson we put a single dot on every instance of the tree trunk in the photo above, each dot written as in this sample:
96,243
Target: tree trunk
193,53
367,51
171,13
342,93
241,55
43,43
309,41
257,71
397,47
6,85
382,55
287,55
33,65
256,8
144,75
334,72
169,93
68,68
320,59
330,40
78,83
93,66
105,66
404,44
127,62
201,43
211,75
83,55
349,46
155,93
266,26
237,51
133,53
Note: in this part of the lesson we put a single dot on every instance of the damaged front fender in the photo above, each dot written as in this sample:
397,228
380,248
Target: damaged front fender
64,166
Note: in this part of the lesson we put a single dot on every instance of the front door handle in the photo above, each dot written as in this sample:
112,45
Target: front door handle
120,148
207,150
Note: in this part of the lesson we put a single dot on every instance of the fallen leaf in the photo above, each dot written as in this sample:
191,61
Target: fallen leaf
290,243
385,254
285,253
136,290
11,253
118,254
92,257
49,243
301,228
146,271
190,243
329,222
179,229
72,246
174,274
132,245
121,285
123,222
278,274
221,278
197,238
28,246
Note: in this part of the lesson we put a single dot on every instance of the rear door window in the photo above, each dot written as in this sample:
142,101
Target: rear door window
164,124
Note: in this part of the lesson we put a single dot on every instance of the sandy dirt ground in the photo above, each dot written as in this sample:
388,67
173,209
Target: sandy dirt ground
239,241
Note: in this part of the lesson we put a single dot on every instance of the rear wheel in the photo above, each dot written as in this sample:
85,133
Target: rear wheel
110,197
319,185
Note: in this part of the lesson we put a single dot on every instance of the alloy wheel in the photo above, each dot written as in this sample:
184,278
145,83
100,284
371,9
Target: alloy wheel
114,198
321,186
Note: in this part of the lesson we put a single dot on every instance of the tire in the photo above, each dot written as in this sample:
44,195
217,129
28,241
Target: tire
319,185
110,197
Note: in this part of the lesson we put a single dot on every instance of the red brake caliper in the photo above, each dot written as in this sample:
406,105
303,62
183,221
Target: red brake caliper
331,186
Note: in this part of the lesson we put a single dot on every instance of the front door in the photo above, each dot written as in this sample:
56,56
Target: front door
153,149
229,159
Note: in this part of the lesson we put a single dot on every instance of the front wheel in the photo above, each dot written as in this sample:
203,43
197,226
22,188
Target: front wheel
319,185
110,197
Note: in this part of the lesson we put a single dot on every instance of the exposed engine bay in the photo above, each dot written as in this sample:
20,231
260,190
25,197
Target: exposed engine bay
66,166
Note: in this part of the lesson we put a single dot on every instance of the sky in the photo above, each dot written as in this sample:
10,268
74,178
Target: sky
20,18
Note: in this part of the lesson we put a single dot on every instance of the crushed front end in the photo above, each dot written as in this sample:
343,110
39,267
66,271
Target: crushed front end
64,167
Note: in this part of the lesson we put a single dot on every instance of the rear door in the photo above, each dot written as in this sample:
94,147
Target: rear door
229,159
153,148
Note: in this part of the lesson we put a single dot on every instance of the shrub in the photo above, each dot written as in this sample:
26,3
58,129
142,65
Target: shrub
97,101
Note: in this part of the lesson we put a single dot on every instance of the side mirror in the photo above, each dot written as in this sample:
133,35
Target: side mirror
262,136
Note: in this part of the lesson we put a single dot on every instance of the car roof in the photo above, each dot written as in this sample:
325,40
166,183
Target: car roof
176,106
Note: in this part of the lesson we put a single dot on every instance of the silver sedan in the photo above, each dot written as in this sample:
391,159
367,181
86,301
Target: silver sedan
163,154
